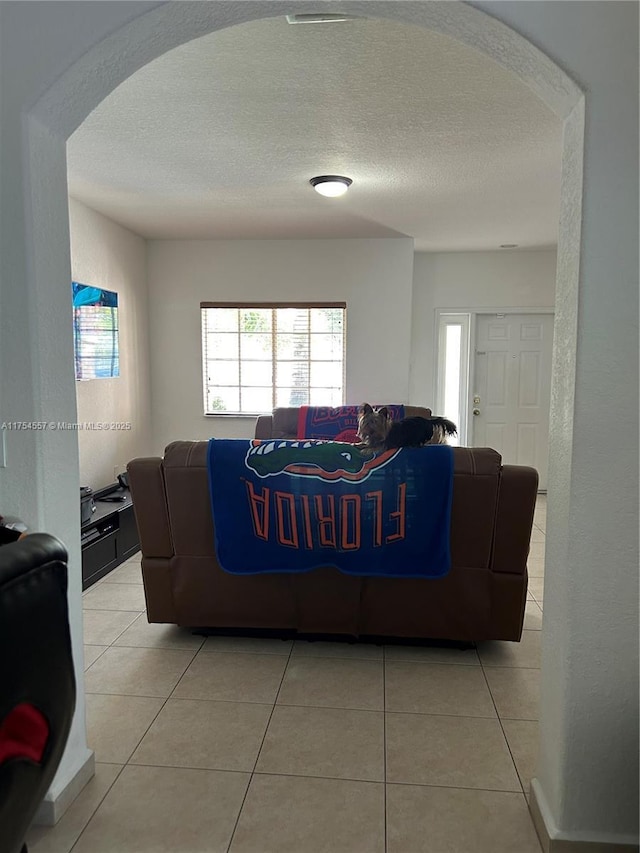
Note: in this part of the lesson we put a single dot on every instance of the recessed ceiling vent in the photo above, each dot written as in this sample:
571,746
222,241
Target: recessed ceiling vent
319,18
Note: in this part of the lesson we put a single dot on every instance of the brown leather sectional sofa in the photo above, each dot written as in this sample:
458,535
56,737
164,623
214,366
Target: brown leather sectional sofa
482,597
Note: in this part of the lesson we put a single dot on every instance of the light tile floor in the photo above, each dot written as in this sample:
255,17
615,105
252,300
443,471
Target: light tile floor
271,746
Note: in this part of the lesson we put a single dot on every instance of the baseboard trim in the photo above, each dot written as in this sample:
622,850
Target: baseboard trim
554,841
53,807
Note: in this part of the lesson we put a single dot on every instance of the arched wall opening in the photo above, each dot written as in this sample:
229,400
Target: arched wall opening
46,498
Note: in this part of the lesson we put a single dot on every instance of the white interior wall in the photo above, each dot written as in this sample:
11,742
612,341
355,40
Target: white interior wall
586,784
468,281
104,254
374,278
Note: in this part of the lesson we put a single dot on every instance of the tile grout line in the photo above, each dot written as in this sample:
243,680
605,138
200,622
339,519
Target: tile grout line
113,609
101,584
160,709
504,734
325,778
318,707
459,787
264,736
116,638
411,660
87,668
102,799
177,684
331,657
156,648
376,782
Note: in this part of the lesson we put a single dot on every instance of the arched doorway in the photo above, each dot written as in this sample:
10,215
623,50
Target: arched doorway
115,57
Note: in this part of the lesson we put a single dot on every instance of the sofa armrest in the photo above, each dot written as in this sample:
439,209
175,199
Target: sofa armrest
146,481
514,518
264,426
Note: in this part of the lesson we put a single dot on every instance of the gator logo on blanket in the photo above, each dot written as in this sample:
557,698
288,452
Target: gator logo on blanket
323,460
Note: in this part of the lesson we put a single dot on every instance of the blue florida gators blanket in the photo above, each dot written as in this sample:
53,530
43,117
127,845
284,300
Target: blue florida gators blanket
293,506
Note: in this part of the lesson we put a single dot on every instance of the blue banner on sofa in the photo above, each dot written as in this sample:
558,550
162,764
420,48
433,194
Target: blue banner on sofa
293,506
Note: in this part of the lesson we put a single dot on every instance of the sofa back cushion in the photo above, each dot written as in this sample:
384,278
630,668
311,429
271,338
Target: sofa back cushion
475,498
285,420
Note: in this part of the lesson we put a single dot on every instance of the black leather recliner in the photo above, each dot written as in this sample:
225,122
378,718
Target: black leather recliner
37,683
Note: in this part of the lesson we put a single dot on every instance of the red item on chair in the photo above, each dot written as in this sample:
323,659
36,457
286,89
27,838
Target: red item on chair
24,733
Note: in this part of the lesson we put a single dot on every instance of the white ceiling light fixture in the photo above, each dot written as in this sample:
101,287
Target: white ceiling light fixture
331,186
319,18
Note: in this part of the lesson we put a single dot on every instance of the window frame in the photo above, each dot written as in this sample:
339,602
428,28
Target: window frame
272,306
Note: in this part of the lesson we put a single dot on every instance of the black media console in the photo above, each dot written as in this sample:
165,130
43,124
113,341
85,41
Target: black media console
110,537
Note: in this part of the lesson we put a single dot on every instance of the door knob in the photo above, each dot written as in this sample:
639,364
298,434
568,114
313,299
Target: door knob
476,411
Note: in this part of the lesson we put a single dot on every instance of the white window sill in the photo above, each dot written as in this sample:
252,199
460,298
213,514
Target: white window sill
239,415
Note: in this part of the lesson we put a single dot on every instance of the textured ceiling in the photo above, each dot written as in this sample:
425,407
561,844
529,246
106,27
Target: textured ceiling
218,139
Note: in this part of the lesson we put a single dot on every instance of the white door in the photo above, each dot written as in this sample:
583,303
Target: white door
511,392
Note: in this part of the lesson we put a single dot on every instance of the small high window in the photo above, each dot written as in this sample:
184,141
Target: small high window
95,332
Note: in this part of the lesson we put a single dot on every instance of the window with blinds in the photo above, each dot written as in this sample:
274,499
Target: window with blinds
259,356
